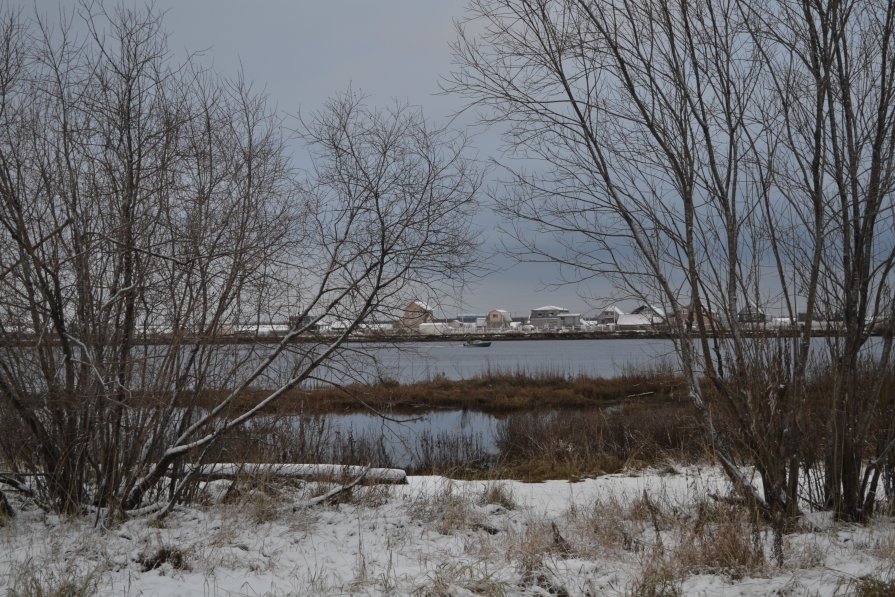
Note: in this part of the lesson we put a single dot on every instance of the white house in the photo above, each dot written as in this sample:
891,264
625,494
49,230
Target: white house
609,315
553,318
633,322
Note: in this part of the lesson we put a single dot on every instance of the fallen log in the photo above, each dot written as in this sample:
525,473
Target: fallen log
332,494
329,472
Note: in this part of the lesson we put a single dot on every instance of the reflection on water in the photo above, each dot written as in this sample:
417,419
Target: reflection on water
432,441
158,367
594,358
407,442
408,362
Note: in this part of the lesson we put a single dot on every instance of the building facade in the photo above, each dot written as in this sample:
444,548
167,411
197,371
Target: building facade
498,319
553,318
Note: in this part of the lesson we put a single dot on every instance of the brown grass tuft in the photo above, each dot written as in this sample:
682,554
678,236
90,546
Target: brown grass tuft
498,494
445,510
720,542
30,580
492,392
868,586
658,578
166,554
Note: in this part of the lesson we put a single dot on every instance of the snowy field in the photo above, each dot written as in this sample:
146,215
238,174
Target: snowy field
650,532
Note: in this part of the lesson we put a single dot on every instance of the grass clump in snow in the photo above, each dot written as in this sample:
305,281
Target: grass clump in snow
463,578
534,551
368,496
31,580
261,504
671,543
607,525
884,548
446,510
166,554
658,578
803,553
722,540
869,586
498,494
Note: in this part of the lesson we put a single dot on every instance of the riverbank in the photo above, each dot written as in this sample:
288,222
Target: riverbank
526,427
489,392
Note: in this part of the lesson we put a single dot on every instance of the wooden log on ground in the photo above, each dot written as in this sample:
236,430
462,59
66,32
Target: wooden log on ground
331,472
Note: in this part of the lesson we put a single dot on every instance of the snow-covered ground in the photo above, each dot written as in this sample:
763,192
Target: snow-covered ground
435,536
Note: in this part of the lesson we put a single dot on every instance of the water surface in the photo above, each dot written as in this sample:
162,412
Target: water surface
594,358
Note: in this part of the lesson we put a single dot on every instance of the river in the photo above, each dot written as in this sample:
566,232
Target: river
415,441
595,358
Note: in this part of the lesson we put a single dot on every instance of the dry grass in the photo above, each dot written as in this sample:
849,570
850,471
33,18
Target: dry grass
491,392
671,544
32,580
658,578
803,555
606,526
575,444
534,553
499,494
259,498
721,543
169,555
446,510
869,586
602,426
533,446
470,577
529,549
369,496
883,548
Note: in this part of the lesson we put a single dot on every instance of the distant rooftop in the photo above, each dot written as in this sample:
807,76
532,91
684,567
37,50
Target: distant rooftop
422,305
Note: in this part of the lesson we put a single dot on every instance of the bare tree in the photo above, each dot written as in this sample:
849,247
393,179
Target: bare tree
719,158
149,210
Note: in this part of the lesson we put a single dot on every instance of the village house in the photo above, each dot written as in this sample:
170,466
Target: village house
553,318
643,318
694,318
751,313
380,324
655,313
609,315
633,322
415,313
498,319
468,323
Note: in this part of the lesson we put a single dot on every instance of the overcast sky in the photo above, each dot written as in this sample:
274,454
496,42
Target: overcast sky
302,51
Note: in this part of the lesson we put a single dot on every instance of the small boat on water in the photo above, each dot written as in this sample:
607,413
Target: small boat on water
477,343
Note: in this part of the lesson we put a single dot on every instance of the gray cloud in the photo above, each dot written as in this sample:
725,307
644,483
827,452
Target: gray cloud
301,52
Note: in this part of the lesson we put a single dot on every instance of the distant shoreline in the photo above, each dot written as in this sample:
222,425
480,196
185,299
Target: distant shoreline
11,340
